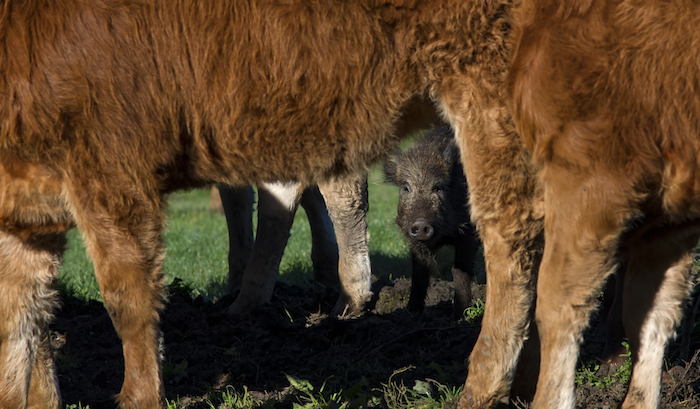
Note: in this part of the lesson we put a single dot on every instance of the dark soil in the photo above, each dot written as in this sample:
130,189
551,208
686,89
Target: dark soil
206,350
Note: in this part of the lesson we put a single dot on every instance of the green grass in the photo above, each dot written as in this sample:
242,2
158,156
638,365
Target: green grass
197,245
586,373
231,398
428,394
470,314
196,250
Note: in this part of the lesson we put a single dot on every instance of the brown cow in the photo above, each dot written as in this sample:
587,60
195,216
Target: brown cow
107,105
605,94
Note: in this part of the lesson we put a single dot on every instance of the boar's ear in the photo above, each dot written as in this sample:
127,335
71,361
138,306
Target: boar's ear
391,167
451,153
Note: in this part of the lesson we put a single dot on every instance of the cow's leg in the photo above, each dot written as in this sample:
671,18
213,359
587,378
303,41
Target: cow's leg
583,227
238,209
122,232
43,391
508,213
691,317
506,321
28,269
614,351
277,204
324,248
130,279
347,203
656,283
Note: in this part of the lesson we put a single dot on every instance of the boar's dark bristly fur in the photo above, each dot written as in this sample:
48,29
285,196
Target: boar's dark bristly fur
433,212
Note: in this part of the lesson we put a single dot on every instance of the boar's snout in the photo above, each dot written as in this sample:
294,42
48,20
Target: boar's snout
421,230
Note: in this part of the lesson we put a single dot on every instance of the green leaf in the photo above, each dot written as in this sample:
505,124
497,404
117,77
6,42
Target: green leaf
301,385
423,388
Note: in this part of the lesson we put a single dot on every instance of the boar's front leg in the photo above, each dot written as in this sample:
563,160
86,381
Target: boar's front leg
422,266
466,247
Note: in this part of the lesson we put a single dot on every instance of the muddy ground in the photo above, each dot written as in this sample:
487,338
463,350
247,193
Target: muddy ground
206,350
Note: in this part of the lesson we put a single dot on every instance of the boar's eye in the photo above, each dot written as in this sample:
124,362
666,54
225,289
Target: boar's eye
438,189
405,189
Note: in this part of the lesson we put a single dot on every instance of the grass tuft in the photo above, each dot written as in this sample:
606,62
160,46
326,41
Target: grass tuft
587,373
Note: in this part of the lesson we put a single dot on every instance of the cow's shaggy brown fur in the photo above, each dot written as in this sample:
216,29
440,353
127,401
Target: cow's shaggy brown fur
107,105
605,94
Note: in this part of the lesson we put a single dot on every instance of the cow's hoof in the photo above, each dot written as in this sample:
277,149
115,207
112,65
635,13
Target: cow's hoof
242,306
346,309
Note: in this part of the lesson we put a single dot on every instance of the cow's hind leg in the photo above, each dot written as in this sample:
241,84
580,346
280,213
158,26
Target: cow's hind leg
347,203
238,208
614,352
28,269
324,250
277,204
583,228
656,283
122,232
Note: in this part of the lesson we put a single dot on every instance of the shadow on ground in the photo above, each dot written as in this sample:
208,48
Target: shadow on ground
207,350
